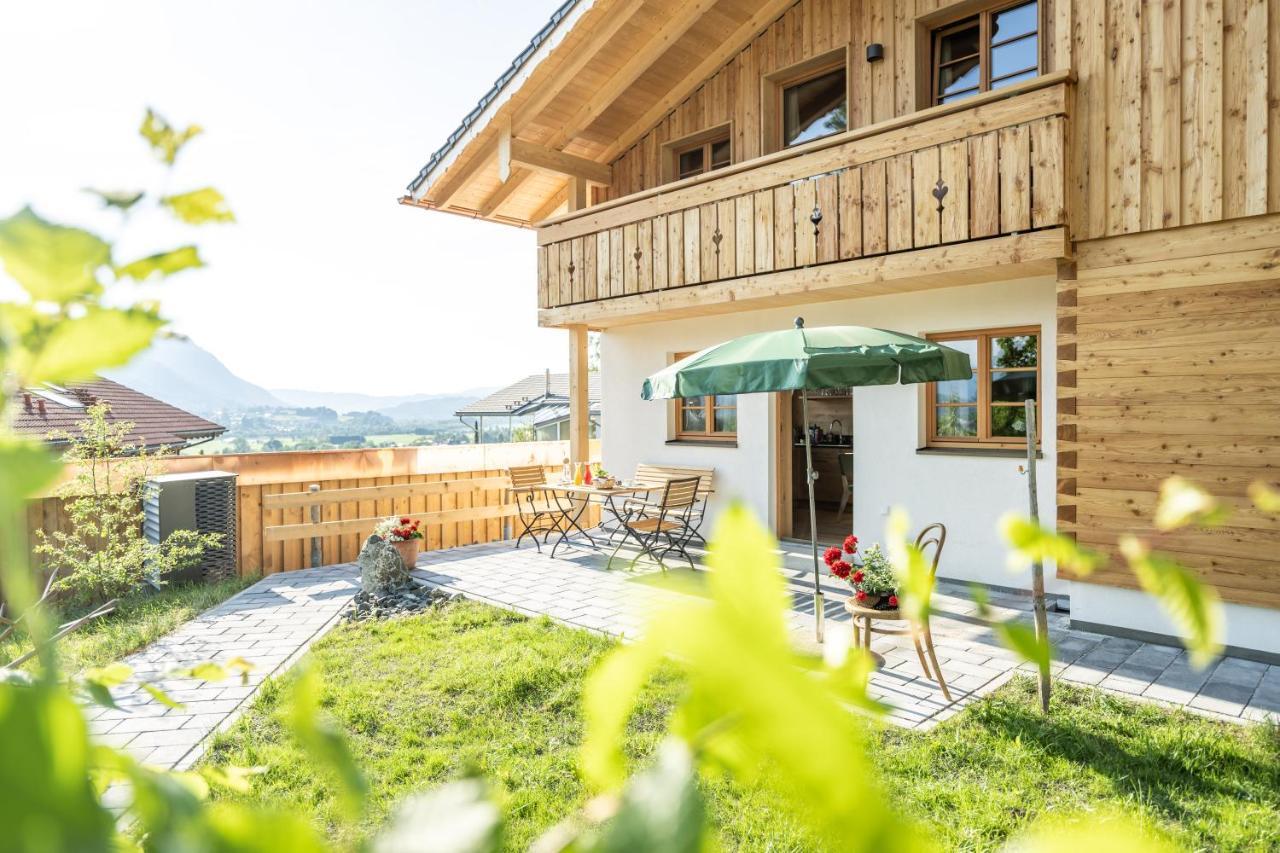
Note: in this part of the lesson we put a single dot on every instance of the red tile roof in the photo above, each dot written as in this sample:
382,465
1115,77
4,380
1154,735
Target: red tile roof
41,411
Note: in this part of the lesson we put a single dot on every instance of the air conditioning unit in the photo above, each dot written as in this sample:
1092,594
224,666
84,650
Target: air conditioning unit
204,501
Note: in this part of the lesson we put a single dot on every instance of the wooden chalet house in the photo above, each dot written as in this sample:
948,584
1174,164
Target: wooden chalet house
1083,195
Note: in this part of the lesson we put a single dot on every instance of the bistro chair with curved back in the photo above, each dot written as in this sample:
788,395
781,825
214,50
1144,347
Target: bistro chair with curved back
528,487
934,536
663,527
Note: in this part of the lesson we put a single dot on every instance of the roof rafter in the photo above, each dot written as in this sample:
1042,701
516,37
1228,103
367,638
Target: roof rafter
732,44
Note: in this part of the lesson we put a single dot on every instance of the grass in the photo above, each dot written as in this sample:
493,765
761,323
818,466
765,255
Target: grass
137,620
477,689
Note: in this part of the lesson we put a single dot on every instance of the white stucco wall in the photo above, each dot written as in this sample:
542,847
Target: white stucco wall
967,493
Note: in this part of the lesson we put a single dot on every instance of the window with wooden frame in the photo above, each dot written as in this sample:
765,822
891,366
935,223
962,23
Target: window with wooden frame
806,101
987,410
995,48
710,418
702,156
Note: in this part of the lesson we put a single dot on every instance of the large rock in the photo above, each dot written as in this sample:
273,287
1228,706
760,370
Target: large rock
381,569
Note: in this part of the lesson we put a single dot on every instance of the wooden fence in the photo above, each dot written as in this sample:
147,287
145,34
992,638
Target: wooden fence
457,491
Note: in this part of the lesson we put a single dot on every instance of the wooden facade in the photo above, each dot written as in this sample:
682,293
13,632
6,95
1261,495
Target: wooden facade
1169,363
1141,167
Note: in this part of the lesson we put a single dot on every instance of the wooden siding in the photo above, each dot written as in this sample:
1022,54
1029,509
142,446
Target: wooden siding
454,511
1000,169
1178,102
1169,363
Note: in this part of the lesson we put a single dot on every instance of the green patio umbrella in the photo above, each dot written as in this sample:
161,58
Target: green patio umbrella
804,360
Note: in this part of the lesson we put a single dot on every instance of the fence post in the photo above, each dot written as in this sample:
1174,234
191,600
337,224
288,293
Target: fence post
317,550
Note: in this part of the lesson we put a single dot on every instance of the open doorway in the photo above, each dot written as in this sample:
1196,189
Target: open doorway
830,426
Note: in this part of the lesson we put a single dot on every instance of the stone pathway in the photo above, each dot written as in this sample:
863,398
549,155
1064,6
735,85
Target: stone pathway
269,624
575,589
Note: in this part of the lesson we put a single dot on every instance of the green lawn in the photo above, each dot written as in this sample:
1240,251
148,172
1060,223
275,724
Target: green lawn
473,688
137,620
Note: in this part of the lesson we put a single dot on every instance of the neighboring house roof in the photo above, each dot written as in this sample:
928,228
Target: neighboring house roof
559,414
61,408
529,395
488,97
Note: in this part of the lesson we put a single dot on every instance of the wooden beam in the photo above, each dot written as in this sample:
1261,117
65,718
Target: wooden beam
569,72
579,396
504,192
532,156
551,205
733,43
442,194
576,194
637,64
975,262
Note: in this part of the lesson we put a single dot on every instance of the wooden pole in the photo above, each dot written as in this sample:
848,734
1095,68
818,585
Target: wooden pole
1037,568
317,550
579,400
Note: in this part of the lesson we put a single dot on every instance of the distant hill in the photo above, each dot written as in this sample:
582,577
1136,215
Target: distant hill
184,375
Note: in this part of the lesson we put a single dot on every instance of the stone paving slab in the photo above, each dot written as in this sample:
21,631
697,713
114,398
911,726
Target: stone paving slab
574,588
269,624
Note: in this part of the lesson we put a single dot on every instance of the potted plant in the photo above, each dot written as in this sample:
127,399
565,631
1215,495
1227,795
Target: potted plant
403,533
870,575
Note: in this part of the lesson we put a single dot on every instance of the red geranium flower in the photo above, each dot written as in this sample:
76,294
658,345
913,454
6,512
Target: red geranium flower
893,601
860,595
841,569
858,576
851,544
404,520
831,555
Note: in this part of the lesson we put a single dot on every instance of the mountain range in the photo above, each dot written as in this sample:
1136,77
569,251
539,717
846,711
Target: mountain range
183,374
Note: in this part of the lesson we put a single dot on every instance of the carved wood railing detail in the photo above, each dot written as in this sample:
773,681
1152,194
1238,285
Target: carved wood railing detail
994,170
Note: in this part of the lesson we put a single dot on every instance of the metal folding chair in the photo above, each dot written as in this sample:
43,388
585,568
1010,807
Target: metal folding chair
528,484
663,527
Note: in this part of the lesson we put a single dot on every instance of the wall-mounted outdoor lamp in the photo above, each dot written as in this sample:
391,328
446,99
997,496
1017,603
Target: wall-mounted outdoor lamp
875,52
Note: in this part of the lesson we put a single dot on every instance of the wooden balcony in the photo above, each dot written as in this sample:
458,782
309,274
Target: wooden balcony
954,194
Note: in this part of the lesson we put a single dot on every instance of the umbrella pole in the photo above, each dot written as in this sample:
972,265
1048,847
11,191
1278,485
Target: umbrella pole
810,476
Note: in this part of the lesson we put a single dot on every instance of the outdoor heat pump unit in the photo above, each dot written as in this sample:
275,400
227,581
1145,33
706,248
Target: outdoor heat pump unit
204,501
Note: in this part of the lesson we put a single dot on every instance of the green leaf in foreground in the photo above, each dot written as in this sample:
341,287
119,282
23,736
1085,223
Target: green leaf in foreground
120,199
162,263
1194,607
166,141
455,818
53,263
199,206
103,337
27,468
661,808
1181,502
324,742
1264,497
1034,543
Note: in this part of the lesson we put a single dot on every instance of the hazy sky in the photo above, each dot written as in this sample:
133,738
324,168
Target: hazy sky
317,114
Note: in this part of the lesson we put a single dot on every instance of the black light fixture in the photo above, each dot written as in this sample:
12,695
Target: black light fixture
875,52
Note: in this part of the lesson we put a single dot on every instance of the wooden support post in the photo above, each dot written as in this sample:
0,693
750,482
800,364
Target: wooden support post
579,401
317,550
577,194
1041,617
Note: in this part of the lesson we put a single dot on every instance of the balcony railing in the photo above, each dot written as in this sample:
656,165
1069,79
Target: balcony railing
992,166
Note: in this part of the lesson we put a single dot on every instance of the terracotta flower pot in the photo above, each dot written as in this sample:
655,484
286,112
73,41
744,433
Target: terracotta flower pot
408,549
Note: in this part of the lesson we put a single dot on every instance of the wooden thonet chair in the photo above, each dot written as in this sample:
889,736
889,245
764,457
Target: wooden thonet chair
528,486
665,526
864,618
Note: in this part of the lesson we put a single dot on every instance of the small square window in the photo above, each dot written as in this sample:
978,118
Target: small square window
993,49
815,107
990,408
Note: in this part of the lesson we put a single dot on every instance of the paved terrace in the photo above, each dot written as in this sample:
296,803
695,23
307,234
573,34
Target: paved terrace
274,621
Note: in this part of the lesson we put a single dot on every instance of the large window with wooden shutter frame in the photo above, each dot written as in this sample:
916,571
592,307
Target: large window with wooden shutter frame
989,409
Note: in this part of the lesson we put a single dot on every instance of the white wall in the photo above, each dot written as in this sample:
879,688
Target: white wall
1246,627
967,493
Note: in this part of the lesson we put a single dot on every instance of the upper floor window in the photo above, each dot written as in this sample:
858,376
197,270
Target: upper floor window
990,407
995,48
815,106
699,157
